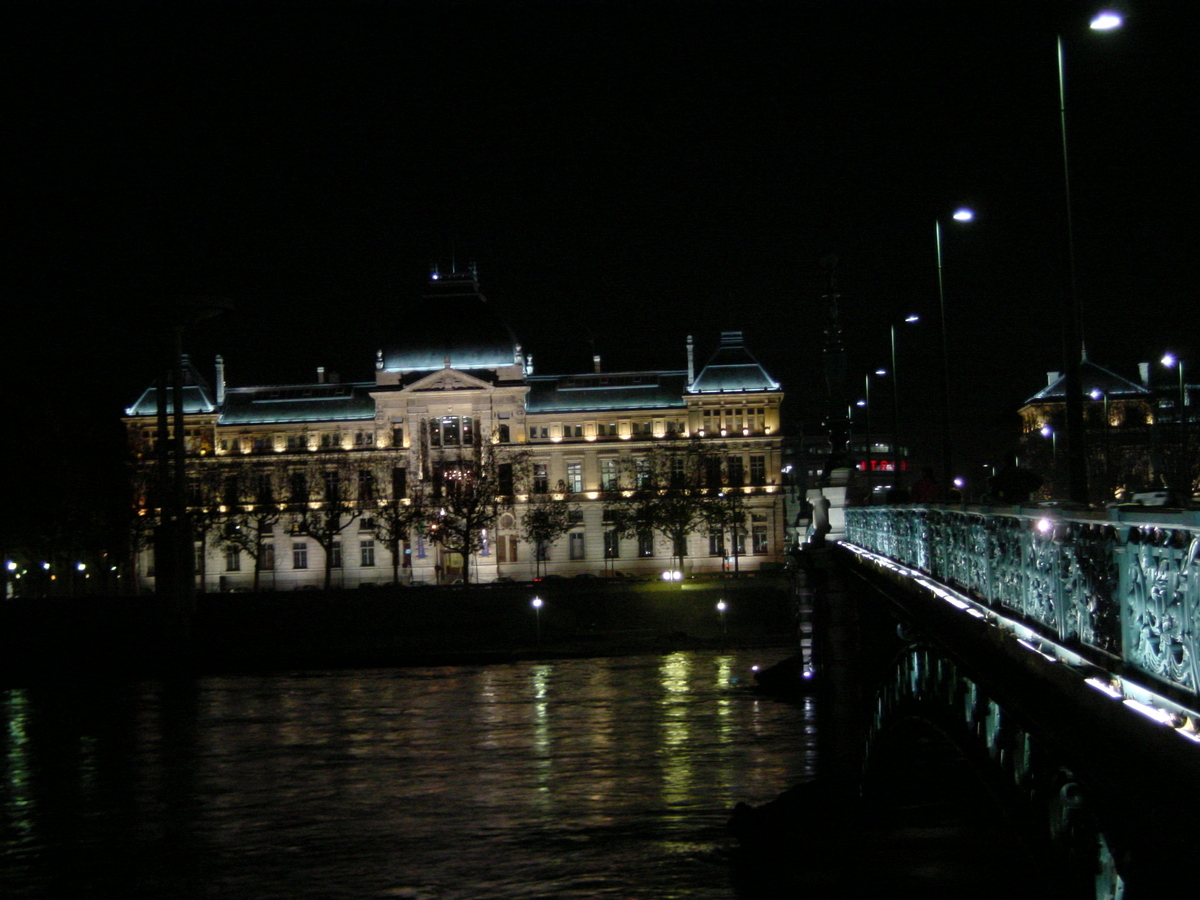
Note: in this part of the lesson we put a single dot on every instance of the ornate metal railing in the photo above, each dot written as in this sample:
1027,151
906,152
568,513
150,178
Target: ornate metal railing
1124,584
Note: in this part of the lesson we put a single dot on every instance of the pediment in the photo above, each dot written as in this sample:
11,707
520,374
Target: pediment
448,380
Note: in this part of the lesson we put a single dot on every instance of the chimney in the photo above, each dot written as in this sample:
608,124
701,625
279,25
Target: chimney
220,380
1052,377
1144,371
691,362
596,363
320,374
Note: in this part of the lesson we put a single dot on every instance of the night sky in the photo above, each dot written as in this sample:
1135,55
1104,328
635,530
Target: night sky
623,174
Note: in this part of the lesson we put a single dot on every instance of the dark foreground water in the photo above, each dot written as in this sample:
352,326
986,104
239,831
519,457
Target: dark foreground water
579,778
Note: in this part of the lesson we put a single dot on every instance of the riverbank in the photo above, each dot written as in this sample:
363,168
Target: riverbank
124,637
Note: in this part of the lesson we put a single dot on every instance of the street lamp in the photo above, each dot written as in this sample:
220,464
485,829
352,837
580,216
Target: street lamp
960,215
721,607
866,404
1073,340
1048,432
537,614
910,319
1097,394
1171,361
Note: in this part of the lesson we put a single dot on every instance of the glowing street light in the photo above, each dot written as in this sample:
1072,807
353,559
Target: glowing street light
1106,20
908,320
721,607
1073,308
1171,361
962,214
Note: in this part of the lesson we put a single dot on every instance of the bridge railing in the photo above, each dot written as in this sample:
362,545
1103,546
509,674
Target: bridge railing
1123,585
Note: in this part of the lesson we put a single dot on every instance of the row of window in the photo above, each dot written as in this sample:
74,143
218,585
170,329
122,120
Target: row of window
366,556
730,472
506,549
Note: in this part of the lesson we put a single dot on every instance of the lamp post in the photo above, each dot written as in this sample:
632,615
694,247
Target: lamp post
721,607
960,215
1048,432
870,444
1097,394
1171,361
1073,339
896,399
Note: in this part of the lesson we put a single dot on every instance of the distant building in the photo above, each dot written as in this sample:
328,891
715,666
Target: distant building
436,395
1139,435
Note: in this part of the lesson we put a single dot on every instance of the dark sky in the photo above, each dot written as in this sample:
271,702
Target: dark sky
623,174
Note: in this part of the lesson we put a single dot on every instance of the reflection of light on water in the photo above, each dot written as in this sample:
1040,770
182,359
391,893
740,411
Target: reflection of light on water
539,678
674,674
19,804
723,774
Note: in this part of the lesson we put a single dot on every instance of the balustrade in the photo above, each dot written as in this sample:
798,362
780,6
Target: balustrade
1126,584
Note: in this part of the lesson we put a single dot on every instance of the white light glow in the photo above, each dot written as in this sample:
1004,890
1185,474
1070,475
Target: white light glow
963,215
536,603
1158,715
1106,21
1104,687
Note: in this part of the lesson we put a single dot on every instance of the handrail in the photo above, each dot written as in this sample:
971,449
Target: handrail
1125,583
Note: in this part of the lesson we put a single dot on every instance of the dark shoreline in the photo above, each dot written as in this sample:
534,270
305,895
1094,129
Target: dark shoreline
96,637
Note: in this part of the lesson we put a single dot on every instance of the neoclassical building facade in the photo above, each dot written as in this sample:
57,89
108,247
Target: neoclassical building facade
435,395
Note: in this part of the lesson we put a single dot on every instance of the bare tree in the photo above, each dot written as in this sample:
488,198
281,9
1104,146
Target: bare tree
469,487
210,488
401,509
323,501
545,520
254,510
665,490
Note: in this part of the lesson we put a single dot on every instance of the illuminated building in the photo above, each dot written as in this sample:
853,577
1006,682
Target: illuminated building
435,393
1136,435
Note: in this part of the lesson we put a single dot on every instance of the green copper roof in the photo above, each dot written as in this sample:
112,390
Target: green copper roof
197,395
1094,378
732,369
298,403
605,391
454,322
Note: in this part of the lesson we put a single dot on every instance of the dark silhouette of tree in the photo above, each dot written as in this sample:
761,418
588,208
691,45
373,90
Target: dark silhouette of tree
254,506
725,513
401,506
546,520
469,487
323,502
666,489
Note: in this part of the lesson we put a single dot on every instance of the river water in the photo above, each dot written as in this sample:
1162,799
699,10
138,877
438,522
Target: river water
582,778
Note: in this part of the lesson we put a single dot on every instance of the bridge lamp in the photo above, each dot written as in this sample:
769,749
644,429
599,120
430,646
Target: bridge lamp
1106,20
1171,361
910,319
962,215
1077,473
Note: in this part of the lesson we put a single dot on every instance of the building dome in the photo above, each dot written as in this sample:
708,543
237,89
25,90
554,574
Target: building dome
455,325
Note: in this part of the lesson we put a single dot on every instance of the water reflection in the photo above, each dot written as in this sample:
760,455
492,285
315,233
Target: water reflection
579,778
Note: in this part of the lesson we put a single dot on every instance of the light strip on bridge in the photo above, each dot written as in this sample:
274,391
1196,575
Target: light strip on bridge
1182,720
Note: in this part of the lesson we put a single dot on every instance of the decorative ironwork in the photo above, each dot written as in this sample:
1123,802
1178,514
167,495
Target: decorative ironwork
1127,585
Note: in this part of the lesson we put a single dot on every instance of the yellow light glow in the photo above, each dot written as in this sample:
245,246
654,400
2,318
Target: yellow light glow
593,495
